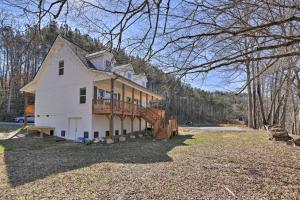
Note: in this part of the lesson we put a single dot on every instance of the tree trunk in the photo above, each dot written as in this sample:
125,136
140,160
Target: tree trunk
250,105
260,98
254,113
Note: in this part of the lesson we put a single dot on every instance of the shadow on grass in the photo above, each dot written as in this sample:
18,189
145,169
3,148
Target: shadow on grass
29,159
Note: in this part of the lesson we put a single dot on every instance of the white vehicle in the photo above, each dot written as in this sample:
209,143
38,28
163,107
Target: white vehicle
21,119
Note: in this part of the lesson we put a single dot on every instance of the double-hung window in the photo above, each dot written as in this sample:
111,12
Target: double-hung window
129,76
61,66
82,99
108,65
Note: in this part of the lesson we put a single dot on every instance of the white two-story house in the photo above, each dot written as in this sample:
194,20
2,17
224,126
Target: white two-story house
82,94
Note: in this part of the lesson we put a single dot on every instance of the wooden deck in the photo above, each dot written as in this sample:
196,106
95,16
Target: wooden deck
104,106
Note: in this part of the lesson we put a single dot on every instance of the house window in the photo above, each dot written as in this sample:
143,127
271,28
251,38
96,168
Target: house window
96,134
107,95
106,133
100,94
61,66
116,132
82,95
129,76
124,131
63,133
108,65
51,132
86,134
128,99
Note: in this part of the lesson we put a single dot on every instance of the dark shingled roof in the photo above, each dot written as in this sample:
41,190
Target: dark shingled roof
80,52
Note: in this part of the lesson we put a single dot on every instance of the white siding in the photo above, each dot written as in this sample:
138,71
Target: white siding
127,124
100,61
123,70
101,124
57,96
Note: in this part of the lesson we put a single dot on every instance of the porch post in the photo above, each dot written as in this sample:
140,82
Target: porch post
94,101
111,121
151,124
132,108
25,106
132,101
123,97
146,124
140,120
123,102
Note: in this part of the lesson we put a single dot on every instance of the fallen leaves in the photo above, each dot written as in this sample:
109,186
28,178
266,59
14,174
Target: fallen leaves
199,166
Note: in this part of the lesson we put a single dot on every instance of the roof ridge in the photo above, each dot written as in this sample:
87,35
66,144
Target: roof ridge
74,43
123,64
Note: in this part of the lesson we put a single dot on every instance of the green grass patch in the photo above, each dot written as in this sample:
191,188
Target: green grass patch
5,146
2,148
7,129
228,137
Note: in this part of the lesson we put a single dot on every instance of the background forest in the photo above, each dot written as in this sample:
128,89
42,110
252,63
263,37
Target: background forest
22,52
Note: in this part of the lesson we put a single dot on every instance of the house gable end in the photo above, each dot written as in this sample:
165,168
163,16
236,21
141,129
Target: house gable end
57,45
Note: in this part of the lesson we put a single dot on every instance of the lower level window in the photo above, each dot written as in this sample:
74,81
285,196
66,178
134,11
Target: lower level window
124,131
86,134
106,133
96,134
116,132
63,133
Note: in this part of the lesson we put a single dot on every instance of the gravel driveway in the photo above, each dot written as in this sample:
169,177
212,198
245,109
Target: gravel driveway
219,129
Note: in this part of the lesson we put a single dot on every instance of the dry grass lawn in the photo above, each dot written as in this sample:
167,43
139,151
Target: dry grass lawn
6,129
192,165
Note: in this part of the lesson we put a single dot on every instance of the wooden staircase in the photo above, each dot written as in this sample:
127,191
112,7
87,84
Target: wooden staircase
161,130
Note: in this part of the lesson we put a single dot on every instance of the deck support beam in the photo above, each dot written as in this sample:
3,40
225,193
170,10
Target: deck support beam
132,110
151,124
123,102
25,106
123,97
132,100
132,119
140,119
146,124
111,121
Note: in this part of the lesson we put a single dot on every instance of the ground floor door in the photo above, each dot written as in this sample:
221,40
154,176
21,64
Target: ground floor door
73,128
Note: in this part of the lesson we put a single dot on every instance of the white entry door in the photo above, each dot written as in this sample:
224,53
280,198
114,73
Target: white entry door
73,128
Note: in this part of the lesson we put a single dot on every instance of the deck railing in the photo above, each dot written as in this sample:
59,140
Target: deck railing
104,106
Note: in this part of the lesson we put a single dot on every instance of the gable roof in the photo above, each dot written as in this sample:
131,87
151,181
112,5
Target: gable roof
75,48
80,52
83,56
